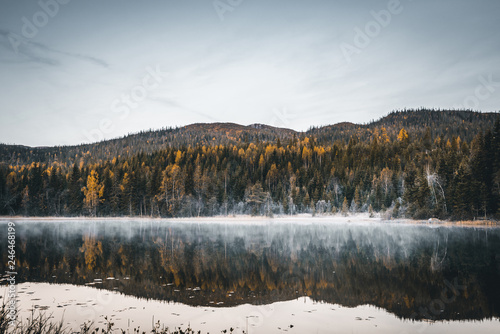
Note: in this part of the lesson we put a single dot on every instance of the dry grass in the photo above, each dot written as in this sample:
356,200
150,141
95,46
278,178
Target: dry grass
41,323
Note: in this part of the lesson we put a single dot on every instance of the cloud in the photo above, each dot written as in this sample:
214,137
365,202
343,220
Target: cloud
40,53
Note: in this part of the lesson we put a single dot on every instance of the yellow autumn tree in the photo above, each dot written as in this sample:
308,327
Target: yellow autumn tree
345,207
172,186
403,135
320,152
384,137
272,177
178,157
306,156
93,193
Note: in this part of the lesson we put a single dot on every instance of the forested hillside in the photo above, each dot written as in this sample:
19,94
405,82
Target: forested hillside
417,164
444,123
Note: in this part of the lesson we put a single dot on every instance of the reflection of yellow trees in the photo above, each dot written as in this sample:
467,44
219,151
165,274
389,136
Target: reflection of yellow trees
123,261
123,256
92,250
273,264
162,249
64,264
262,275
309,284
323,284
198,265
354,272
271,274
408,301
389,262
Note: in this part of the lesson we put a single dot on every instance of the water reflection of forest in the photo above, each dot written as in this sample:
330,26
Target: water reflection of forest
411,271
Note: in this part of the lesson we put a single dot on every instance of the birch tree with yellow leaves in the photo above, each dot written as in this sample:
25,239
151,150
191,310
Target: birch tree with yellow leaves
93,193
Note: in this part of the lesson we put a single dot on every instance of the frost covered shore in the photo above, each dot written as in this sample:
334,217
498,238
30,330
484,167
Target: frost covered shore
359,218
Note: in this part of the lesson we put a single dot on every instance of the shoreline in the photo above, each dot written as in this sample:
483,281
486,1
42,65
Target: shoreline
128,312
300,218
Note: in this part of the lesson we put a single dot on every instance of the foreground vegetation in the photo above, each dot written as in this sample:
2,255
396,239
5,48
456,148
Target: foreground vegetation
41,323
415,164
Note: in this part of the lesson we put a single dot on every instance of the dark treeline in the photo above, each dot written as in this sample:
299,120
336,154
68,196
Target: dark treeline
413,171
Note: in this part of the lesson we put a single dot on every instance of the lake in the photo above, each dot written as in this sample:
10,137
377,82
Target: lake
260,276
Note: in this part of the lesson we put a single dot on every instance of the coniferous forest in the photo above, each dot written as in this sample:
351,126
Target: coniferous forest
412,163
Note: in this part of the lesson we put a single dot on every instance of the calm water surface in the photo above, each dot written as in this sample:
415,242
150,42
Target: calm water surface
262,277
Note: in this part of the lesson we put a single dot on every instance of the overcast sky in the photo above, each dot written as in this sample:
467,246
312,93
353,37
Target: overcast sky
74,71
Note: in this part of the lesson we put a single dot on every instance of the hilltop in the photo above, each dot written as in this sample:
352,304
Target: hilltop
444,123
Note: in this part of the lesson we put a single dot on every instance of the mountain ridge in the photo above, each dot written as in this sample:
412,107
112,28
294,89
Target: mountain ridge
460,123
262,126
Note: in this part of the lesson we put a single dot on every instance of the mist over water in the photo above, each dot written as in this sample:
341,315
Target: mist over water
450,272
